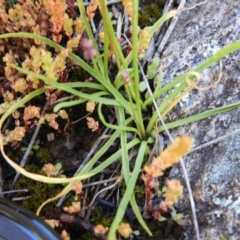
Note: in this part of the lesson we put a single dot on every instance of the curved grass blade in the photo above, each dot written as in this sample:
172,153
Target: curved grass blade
122,127
209,62
165,103
75,102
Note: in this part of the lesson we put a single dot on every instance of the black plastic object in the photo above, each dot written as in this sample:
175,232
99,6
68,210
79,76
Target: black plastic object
18,223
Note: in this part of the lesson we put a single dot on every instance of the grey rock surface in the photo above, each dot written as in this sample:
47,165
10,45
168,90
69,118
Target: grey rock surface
214,171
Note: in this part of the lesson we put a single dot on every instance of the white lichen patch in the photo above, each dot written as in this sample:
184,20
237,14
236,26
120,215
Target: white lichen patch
211,48
224,202
185,101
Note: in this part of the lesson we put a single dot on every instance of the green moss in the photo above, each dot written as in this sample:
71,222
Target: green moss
13,155
150,13
44,155
38,191
139,189
97,217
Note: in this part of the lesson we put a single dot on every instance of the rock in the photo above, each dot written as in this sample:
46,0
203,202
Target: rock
214,170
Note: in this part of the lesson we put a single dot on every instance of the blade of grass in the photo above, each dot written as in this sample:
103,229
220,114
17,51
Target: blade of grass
20,103
139,215
200,116
113,158
126,170
123,138
129,191
102,150
68,89
75,102
86,85
90,35
139,114
165,104
108,28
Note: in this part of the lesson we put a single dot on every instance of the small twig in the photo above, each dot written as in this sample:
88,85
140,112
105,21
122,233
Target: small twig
84,202
100,182
169,31
89,207
119,179
72,123
171,27
126,22
80,119
110,2
14,191
119,26
67,218
162,29
168,6
116,171
7,123
26,154
62,99
20,198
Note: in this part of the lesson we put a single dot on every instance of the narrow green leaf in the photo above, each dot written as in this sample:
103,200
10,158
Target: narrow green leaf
200,116
129,191
122,127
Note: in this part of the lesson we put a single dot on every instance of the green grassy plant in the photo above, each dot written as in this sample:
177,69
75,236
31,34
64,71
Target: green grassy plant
130,108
